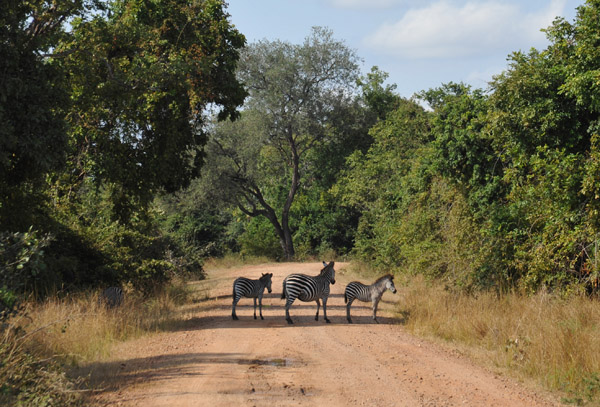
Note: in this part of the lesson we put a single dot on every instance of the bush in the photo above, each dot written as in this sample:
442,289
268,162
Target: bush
27,379
22,263
259,239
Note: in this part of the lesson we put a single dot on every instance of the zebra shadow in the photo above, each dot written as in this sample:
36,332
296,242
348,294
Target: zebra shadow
276,321
274,306
105,377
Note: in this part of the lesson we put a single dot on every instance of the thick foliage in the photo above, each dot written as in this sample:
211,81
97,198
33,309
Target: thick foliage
141,80
103,106
492,190
299,100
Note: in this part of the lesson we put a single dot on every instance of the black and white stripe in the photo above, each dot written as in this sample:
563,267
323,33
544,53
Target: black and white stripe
112,297
244,287
358,291
308,288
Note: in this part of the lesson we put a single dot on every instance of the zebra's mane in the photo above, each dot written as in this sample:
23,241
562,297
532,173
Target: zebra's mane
325,268
265,277
380,279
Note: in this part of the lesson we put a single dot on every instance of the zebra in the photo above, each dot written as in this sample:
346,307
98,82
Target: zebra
307,288
111,297
244,287
358,291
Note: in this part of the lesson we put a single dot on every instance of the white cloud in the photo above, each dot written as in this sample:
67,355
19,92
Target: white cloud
364,4
445,29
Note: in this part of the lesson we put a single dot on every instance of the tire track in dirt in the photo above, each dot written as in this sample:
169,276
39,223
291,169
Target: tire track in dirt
216,361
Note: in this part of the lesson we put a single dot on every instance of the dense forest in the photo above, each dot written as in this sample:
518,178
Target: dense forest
140,138
480,188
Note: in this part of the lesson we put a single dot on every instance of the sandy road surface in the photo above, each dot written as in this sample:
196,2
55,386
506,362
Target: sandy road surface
215,361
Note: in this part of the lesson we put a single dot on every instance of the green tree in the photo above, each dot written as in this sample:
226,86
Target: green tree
381,99
381,182
543,119
141,80
102,114
33,99
293,91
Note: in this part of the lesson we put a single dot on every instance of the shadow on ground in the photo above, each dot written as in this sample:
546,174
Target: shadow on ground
275,321
109,376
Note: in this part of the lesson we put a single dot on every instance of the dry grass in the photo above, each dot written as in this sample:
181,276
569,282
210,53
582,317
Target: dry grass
79,329
543,337
76,331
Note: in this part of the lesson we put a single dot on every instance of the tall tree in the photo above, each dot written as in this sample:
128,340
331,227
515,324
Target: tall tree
293,91
103,104
141,80
33,99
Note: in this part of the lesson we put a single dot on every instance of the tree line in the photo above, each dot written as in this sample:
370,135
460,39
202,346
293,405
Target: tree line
491,188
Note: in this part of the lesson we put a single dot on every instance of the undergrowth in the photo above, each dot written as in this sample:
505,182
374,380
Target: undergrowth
45,348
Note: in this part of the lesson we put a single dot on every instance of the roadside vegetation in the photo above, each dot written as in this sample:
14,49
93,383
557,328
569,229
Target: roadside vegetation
541,337
49,348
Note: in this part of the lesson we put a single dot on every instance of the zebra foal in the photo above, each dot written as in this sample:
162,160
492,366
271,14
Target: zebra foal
244,287
308,288
358,291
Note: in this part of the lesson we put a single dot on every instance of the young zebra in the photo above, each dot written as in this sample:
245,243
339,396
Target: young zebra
244,287
307,288
358,291
111,297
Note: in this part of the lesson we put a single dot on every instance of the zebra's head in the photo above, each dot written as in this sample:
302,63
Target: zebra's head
266,280
389,284
329,271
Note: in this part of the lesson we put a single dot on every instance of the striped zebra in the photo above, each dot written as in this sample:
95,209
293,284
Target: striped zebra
358,291
112,297
244,287
307,288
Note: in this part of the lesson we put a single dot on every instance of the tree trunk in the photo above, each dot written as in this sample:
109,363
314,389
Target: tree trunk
288,244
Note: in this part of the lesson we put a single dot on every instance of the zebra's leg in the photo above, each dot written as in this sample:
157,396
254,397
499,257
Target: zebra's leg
288,304
325,310
318,306
254,307
375,304
348,310
233,314
260,305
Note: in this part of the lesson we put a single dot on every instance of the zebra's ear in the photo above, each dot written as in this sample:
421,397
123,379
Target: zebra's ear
324,264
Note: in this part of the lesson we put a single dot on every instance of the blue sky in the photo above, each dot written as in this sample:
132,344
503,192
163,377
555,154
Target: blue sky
420,43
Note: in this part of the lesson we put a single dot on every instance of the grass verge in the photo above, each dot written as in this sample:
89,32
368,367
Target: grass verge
543,337
61,335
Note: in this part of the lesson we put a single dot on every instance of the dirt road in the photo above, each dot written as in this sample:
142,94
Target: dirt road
216,361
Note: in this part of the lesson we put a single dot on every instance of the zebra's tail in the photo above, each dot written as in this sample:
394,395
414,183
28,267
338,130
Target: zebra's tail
345,298
283,291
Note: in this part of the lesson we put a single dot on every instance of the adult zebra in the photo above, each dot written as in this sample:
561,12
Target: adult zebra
358,291
308,288
244,287
111,297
